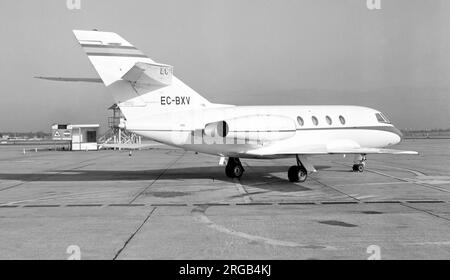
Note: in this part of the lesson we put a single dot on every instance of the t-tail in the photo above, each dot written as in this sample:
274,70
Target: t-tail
139,85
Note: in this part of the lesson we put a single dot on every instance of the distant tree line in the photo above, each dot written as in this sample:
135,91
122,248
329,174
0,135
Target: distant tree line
427,132
26,135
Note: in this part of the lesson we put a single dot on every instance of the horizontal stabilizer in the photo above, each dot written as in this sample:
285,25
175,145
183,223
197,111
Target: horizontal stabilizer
61,79
152,74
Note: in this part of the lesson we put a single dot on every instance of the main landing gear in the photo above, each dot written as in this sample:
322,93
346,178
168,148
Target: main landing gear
234,168
297,173
360,163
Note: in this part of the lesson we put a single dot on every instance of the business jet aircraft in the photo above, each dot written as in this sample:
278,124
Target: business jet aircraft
159,106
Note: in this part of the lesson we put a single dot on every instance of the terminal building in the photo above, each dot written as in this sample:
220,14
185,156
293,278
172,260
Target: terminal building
85,137
117,137
81,137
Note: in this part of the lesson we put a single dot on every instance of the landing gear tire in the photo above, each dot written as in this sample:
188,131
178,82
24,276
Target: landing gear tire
293,173
234,171
358,167
303,174
234,168
297,174
359,163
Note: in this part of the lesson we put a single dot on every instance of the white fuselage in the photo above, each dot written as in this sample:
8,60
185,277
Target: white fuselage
272,128
159,106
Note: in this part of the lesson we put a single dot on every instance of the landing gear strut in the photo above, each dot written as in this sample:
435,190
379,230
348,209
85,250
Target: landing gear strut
234,168
360,163
297,173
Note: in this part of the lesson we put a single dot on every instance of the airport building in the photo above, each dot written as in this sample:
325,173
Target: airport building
82,137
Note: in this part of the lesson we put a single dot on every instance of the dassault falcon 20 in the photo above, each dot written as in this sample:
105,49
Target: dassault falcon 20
159,106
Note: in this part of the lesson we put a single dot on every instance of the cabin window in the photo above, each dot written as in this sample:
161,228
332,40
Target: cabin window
300,121
315,121
381,118
329,121
342,120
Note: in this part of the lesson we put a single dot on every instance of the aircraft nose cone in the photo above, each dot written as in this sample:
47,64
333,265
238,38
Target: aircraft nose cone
399,134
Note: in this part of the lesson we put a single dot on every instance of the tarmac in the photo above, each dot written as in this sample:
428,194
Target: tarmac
166,203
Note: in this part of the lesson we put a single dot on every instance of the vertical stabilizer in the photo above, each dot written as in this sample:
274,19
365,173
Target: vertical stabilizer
139,85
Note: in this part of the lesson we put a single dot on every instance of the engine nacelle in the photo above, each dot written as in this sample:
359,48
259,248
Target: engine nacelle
254,128
217,129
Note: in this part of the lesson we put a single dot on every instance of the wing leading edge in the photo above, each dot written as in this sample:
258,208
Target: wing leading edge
65,79
324,150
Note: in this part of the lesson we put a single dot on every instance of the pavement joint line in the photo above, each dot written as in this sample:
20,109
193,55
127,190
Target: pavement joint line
409,169
409,181
333,188
242,191
131,237
383,202
408,205
57,173
211,204
340,202
126,205
403,179
53,197
84,205
424,201
41,206
229,204
297,203
168,204
255,204
157,178
13,186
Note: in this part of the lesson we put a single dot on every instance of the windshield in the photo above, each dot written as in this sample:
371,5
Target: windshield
382,118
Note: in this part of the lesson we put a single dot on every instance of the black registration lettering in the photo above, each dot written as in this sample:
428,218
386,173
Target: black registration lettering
175,100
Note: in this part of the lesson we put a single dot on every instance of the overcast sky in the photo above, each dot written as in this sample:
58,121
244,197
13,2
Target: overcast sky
242,52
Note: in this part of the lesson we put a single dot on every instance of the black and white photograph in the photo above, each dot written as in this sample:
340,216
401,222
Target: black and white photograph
231,132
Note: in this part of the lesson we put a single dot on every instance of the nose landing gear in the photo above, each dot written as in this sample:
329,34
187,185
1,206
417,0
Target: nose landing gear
297,173
234,168
360,163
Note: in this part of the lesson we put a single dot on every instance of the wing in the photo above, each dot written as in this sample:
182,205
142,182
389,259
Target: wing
372,151
321,149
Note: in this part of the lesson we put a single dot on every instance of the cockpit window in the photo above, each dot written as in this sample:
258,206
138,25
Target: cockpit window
381,118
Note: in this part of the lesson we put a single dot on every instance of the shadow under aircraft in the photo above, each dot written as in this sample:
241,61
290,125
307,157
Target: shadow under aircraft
258,176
